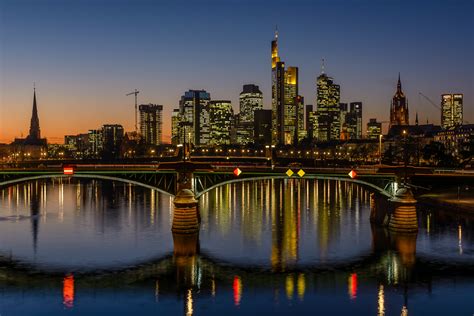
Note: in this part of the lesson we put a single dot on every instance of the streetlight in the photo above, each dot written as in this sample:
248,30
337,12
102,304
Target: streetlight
405,154
380,149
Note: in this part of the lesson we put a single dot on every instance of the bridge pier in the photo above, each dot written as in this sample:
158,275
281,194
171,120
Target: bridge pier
403,217
379,209
185,215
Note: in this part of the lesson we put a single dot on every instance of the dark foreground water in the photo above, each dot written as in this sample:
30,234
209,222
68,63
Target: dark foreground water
267,247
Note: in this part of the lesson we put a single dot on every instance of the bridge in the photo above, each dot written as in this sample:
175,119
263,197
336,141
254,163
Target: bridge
169,178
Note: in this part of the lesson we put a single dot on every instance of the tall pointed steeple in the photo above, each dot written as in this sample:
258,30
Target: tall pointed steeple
399,84
34,125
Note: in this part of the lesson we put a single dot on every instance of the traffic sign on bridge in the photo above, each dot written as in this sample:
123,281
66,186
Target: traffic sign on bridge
237,172
353,174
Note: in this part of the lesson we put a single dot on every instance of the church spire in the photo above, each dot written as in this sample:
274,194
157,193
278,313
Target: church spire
399,84
34,125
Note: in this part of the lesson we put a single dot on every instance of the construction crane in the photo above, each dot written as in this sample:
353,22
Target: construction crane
136,110
430,101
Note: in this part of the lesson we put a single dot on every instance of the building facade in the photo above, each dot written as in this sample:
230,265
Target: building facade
399,107
263,127
328,116
374,129
451,110
221,118
194,112
112,137
250,100
151,123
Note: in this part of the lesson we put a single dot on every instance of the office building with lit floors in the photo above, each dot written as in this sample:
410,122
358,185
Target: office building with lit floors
221,118
328,112
451,110
151,123
112,137
250,100
194,117
374,129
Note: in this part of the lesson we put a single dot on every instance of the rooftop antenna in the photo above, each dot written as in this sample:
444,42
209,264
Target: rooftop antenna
276,31
322,65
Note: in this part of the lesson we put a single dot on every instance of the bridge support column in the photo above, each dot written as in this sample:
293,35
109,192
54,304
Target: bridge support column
379,209
185,215
404,217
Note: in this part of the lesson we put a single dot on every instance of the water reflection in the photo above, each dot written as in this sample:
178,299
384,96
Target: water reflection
293,246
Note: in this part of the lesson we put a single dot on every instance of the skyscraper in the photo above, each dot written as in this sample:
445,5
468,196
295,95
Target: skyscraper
263,127
112,135
285,100
355,120
151,122
399,107
451,110
327,109
175,120
278,95
194,110
221,118
250,100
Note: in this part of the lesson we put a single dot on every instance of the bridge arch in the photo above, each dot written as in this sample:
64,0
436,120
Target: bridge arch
374,187
87,176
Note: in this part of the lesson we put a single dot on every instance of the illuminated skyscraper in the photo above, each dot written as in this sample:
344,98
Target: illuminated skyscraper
451,110
194,110
399,107
251,99
278,95
328,114
374,129
284,100
175,120
151,122
221,119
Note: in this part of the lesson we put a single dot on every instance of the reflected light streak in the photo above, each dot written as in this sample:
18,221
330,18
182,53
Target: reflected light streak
460,239
381,301
189,303
157,290
68,291
237,287
289,286
352,286
404,311
301,286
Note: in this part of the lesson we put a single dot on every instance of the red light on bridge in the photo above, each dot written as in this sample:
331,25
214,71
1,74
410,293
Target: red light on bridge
68,171
237,172
352,174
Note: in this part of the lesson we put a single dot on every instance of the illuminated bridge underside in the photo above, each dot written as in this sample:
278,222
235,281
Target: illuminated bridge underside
166,182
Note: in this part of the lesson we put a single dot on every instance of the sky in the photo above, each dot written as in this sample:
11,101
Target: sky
84,56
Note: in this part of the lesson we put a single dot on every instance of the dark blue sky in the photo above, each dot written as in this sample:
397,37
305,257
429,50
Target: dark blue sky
86,56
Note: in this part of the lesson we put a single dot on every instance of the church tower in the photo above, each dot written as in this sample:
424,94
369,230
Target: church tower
399,107
35,133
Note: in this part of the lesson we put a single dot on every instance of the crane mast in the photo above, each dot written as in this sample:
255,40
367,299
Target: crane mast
136,109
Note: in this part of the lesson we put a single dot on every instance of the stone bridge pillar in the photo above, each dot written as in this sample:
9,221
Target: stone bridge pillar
403,217
185,215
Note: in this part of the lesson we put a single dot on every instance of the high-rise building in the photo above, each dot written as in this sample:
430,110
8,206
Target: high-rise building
194,110
399,107
374,129
221,118
250,99
301,132
96,142
354,120
328,114
112,136
263,127
451,110
308,125
278,95
151,122
175,128
285,100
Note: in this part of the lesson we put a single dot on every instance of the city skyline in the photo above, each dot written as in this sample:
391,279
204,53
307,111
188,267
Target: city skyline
82,90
